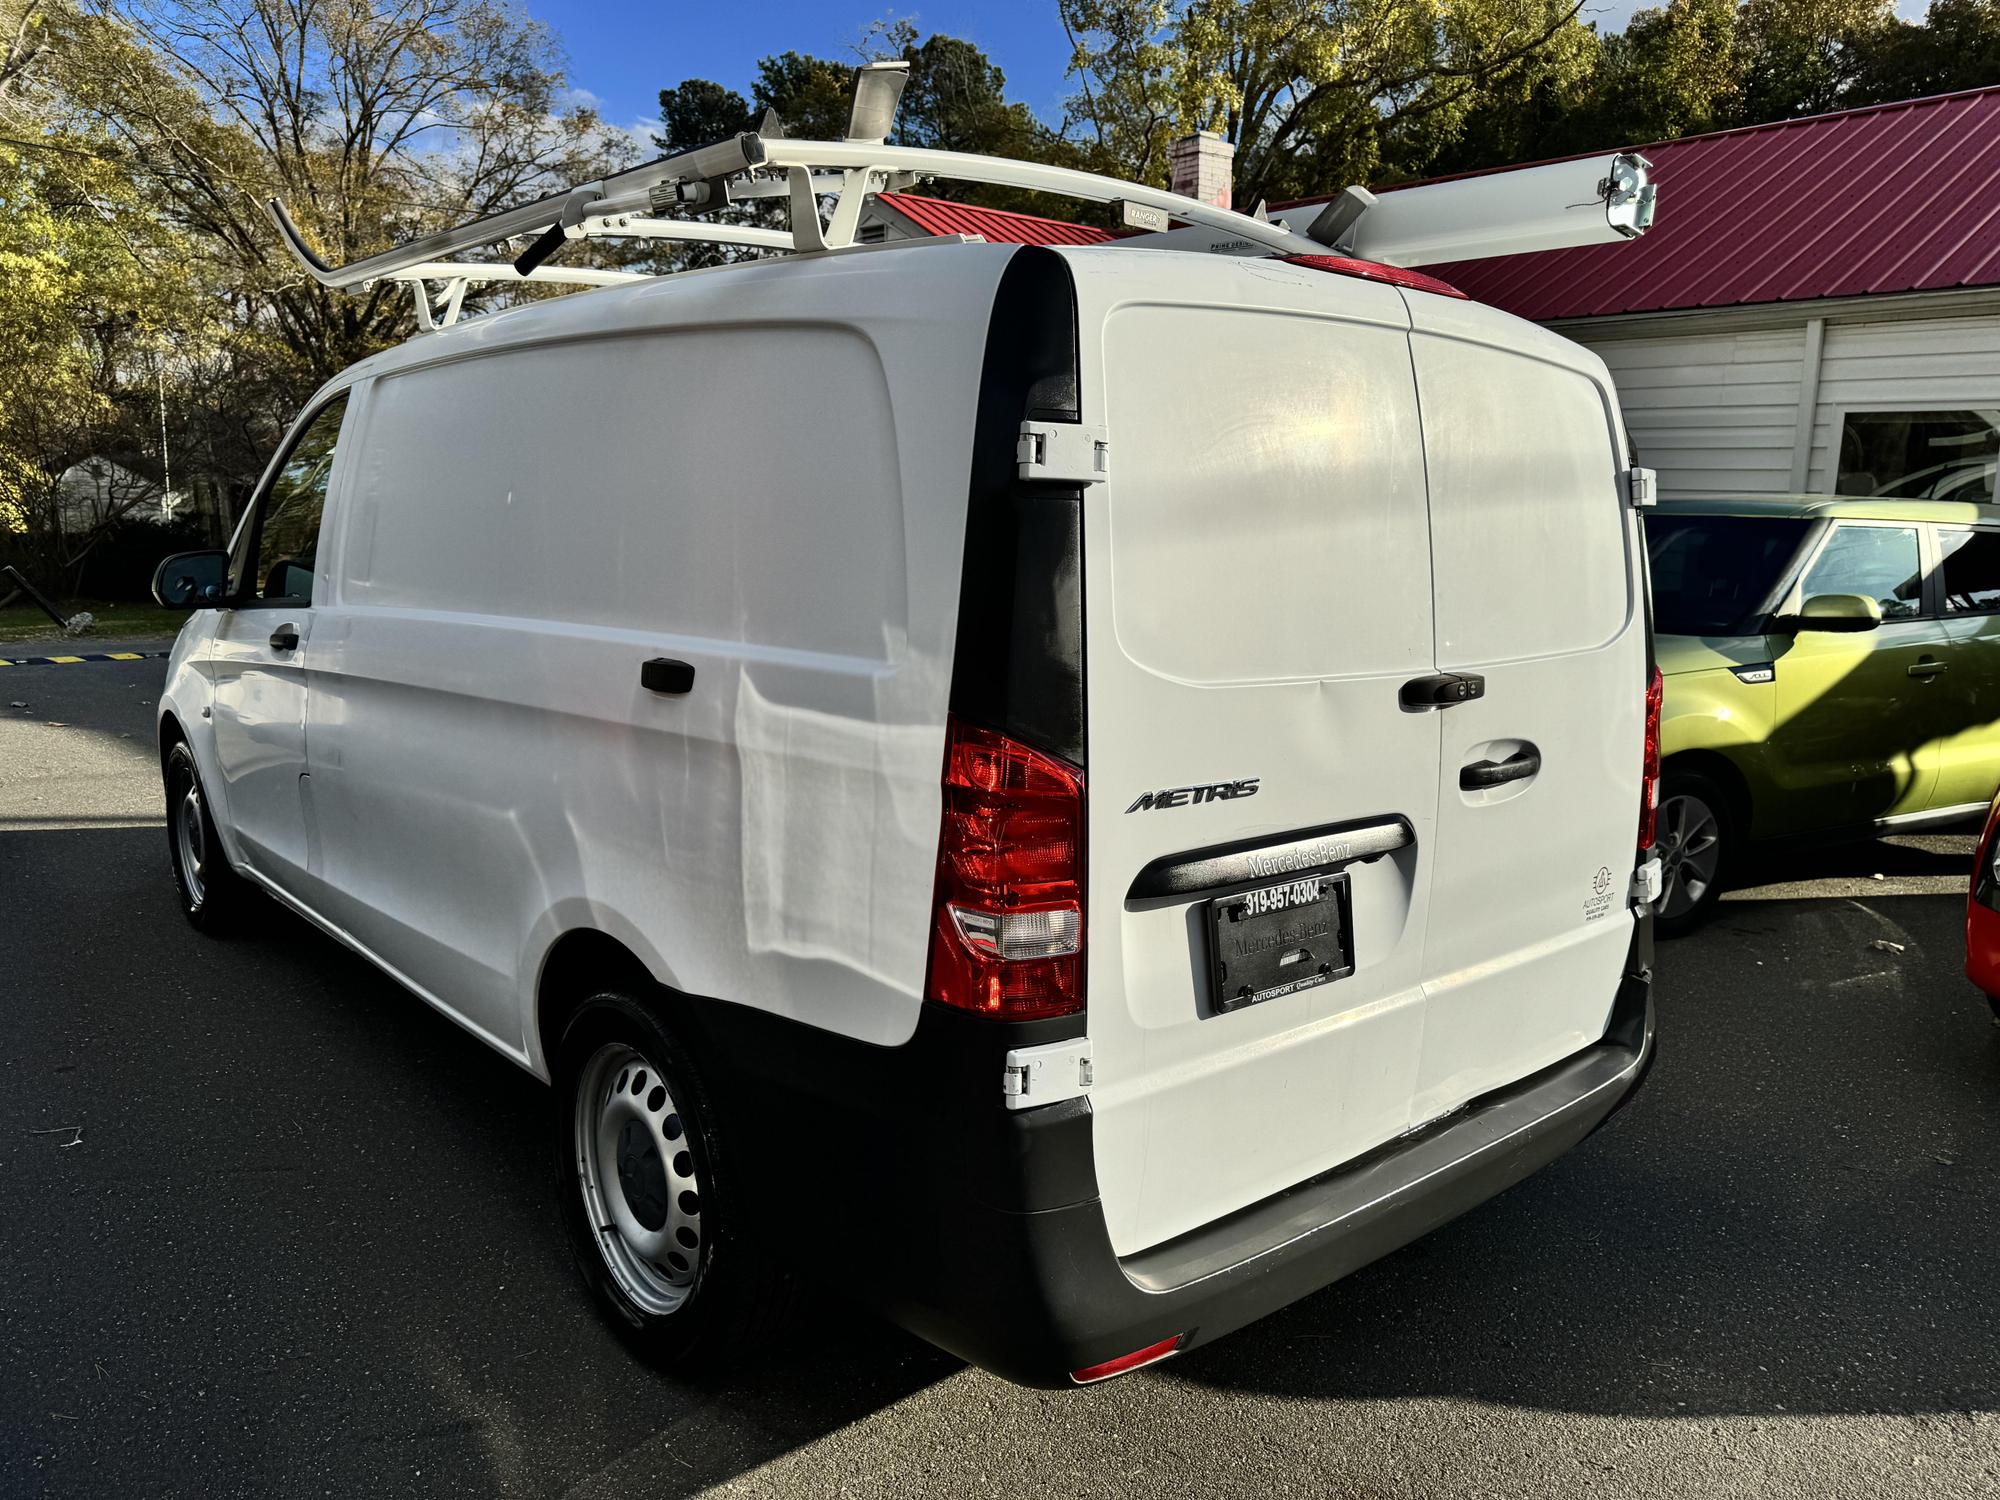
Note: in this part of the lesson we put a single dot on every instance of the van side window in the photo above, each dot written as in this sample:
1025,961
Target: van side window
1878,562
1971,564
286,552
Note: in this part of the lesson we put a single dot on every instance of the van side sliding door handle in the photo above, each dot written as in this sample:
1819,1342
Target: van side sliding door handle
1484,773
665,675
285,638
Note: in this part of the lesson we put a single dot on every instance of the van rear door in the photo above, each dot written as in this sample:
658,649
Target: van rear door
1536,559
1258,590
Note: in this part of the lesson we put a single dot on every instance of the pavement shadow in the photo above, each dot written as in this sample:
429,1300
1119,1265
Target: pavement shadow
1948,853
1792,1217
305,1239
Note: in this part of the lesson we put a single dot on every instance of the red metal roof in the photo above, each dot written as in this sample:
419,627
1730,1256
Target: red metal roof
1898,197
1895,198
936,216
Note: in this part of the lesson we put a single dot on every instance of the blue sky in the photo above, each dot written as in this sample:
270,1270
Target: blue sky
623,54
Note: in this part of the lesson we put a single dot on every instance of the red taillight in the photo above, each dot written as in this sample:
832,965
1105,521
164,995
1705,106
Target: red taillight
1007,932
1151,1354
1649,786
1368,270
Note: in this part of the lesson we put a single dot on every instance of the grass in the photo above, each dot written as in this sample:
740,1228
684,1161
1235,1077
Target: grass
124,621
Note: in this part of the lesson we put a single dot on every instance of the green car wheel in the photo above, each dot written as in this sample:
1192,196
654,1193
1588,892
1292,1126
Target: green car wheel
1694,838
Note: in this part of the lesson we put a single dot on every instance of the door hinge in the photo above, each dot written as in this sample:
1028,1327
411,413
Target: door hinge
1642,488
1646,882
1066,451
1047,1074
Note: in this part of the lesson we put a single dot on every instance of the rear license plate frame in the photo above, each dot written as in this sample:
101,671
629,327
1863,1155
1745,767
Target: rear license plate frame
1232,920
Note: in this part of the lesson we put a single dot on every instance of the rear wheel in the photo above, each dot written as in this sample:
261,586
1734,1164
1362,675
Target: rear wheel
1695,839
655,1215
212,894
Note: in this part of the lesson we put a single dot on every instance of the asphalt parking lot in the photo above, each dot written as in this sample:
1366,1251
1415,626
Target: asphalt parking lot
270,1226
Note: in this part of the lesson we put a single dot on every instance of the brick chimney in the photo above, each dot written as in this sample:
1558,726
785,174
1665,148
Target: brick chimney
1202,165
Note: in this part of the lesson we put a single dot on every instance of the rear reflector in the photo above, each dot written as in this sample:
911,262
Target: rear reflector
1368,270
1007,934
1126,1363
1649,783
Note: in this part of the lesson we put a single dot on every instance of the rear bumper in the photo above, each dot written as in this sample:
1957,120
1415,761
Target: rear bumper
995,1248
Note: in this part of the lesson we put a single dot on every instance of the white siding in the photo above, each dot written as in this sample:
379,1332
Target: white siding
1714,413
1933,362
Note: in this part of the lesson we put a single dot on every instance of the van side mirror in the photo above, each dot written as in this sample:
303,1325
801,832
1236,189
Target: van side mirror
192,580
1836,612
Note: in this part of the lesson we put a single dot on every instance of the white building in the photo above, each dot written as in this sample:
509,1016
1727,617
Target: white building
1817,310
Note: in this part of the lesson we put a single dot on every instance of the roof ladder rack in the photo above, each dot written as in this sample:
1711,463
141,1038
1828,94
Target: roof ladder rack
1498,213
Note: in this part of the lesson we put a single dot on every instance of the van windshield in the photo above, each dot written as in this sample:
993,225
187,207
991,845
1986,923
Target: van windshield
1712,573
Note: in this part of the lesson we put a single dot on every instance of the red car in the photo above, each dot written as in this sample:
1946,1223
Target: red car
1982,913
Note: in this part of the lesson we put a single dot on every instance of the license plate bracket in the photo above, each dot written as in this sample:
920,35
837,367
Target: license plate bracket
1274,940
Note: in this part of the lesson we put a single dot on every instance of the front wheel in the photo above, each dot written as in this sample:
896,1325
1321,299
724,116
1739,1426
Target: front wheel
1695,838
655,1215
212,894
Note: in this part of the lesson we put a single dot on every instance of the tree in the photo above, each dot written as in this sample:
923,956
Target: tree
1312,93
1803,57
697,111
1957,46
955,100
100,299
810,94
374,119
23,36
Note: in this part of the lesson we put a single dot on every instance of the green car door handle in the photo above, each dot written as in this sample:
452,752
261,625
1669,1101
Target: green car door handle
1924,666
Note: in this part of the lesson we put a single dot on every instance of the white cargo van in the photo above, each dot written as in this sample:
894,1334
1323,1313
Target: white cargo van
1081,793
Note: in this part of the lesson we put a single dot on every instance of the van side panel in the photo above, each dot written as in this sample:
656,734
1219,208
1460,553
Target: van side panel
776,500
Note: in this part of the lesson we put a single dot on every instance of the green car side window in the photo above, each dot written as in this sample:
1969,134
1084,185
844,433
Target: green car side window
1971,562
1879,562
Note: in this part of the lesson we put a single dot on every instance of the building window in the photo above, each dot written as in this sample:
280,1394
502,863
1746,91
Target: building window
1920,455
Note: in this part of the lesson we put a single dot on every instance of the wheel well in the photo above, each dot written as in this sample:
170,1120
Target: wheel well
171,734
1721,770
581,963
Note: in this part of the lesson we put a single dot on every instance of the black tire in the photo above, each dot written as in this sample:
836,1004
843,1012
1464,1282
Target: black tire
212,895
1686,799
736,1295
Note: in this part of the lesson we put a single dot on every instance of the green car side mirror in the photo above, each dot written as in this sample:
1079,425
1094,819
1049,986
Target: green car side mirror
1839,612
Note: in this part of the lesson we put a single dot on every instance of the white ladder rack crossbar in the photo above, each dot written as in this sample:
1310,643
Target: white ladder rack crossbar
457,275
858,166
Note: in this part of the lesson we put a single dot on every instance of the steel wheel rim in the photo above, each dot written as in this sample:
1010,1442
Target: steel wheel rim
637,1174
191,841
1690,848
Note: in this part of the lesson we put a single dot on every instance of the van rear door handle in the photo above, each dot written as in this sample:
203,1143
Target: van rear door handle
1924,666
665,675
1481,774
285,638
1440,690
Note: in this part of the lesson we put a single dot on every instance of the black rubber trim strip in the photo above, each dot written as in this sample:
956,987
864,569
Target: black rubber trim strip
1223,867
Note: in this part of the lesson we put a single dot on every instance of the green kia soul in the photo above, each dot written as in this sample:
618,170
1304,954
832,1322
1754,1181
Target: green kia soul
1832,667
